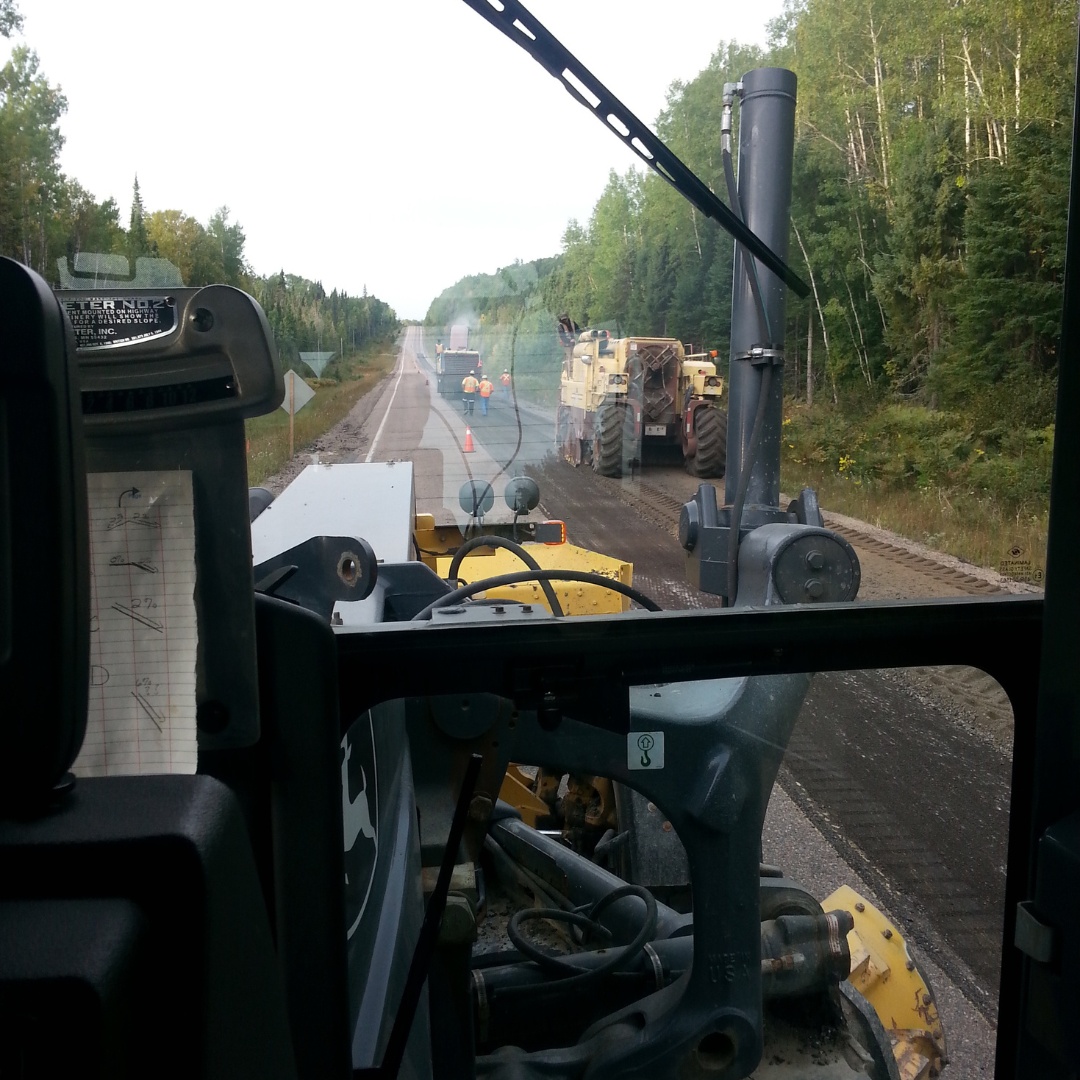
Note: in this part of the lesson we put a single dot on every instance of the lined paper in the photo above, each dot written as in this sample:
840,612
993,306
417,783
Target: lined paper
143,630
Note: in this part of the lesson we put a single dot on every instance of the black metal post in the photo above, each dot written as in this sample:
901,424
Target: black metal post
766,151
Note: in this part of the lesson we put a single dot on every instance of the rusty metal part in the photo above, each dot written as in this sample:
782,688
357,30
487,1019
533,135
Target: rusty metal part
546,786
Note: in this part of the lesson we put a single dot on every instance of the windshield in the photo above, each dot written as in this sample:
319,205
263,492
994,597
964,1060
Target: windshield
475,276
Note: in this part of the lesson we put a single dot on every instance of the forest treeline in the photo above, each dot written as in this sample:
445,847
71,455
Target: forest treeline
48,218
930,197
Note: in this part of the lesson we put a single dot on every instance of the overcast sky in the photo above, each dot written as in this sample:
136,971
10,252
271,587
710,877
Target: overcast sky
397,145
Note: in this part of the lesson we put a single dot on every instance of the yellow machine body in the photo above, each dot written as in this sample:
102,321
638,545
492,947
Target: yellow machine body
885,973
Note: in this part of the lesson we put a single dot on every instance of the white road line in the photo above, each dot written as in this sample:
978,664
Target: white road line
386,415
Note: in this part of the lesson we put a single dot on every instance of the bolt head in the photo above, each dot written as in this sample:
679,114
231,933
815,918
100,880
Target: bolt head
480,808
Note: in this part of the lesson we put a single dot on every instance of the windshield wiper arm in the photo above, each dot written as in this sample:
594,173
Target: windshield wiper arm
518,24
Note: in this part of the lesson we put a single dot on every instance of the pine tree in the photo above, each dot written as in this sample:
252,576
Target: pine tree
138,241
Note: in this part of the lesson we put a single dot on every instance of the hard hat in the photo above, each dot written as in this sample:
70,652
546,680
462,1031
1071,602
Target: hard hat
472,372
506,371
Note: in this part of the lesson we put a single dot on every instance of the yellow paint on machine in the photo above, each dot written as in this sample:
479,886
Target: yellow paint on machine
577,598
884,972
517,791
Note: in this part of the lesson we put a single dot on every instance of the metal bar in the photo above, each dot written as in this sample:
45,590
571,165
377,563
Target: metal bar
766,151
429,930
1001,636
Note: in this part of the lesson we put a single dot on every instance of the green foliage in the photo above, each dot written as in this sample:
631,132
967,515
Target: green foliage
138,239
31,184
10,19
912,448
1008,305
304,318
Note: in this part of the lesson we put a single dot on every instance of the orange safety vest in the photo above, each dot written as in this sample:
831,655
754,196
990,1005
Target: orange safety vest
485,388
504,378
469,384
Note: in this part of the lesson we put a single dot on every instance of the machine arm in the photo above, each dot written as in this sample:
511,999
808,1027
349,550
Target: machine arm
522,27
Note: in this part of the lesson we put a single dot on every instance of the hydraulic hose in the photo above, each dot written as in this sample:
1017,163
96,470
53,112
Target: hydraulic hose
519,551
572,975
537,575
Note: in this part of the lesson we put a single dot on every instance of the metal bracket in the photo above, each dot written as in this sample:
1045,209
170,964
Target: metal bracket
1033,937
759,355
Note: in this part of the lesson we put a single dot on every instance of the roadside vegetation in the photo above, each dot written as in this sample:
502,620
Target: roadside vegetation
923,474
343,383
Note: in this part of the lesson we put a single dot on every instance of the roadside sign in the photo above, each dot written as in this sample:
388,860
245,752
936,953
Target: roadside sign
317,361
297,393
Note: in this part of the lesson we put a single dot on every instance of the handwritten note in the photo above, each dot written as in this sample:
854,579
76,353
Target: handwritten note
143,631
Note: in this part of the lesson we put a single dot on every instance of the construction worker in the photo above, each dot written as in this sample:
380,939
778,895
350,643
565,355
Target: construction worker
487,387
469,385
504,379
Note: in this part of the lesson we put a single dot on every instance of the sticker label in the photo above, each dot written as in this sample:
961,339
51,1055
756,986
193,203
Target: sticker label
110,322
645,750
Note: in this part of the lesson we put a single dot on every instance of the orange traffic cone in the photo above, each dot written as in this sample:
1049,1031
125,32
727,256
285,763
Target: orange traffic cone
469,449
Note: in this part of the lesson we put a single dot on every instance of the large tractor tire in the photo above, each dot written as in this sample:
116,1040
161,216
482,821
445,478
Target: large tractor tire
613,443
710,426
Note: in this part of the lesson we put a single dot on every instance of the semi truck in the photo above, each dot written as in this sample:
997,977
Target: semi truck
452,364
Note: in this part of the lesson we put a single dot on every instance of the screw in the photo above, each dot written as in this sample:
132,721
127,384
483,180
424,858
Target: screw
480,808
910,965
815,560
814,588
500,610
527,608
886,933
926,999
860,906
